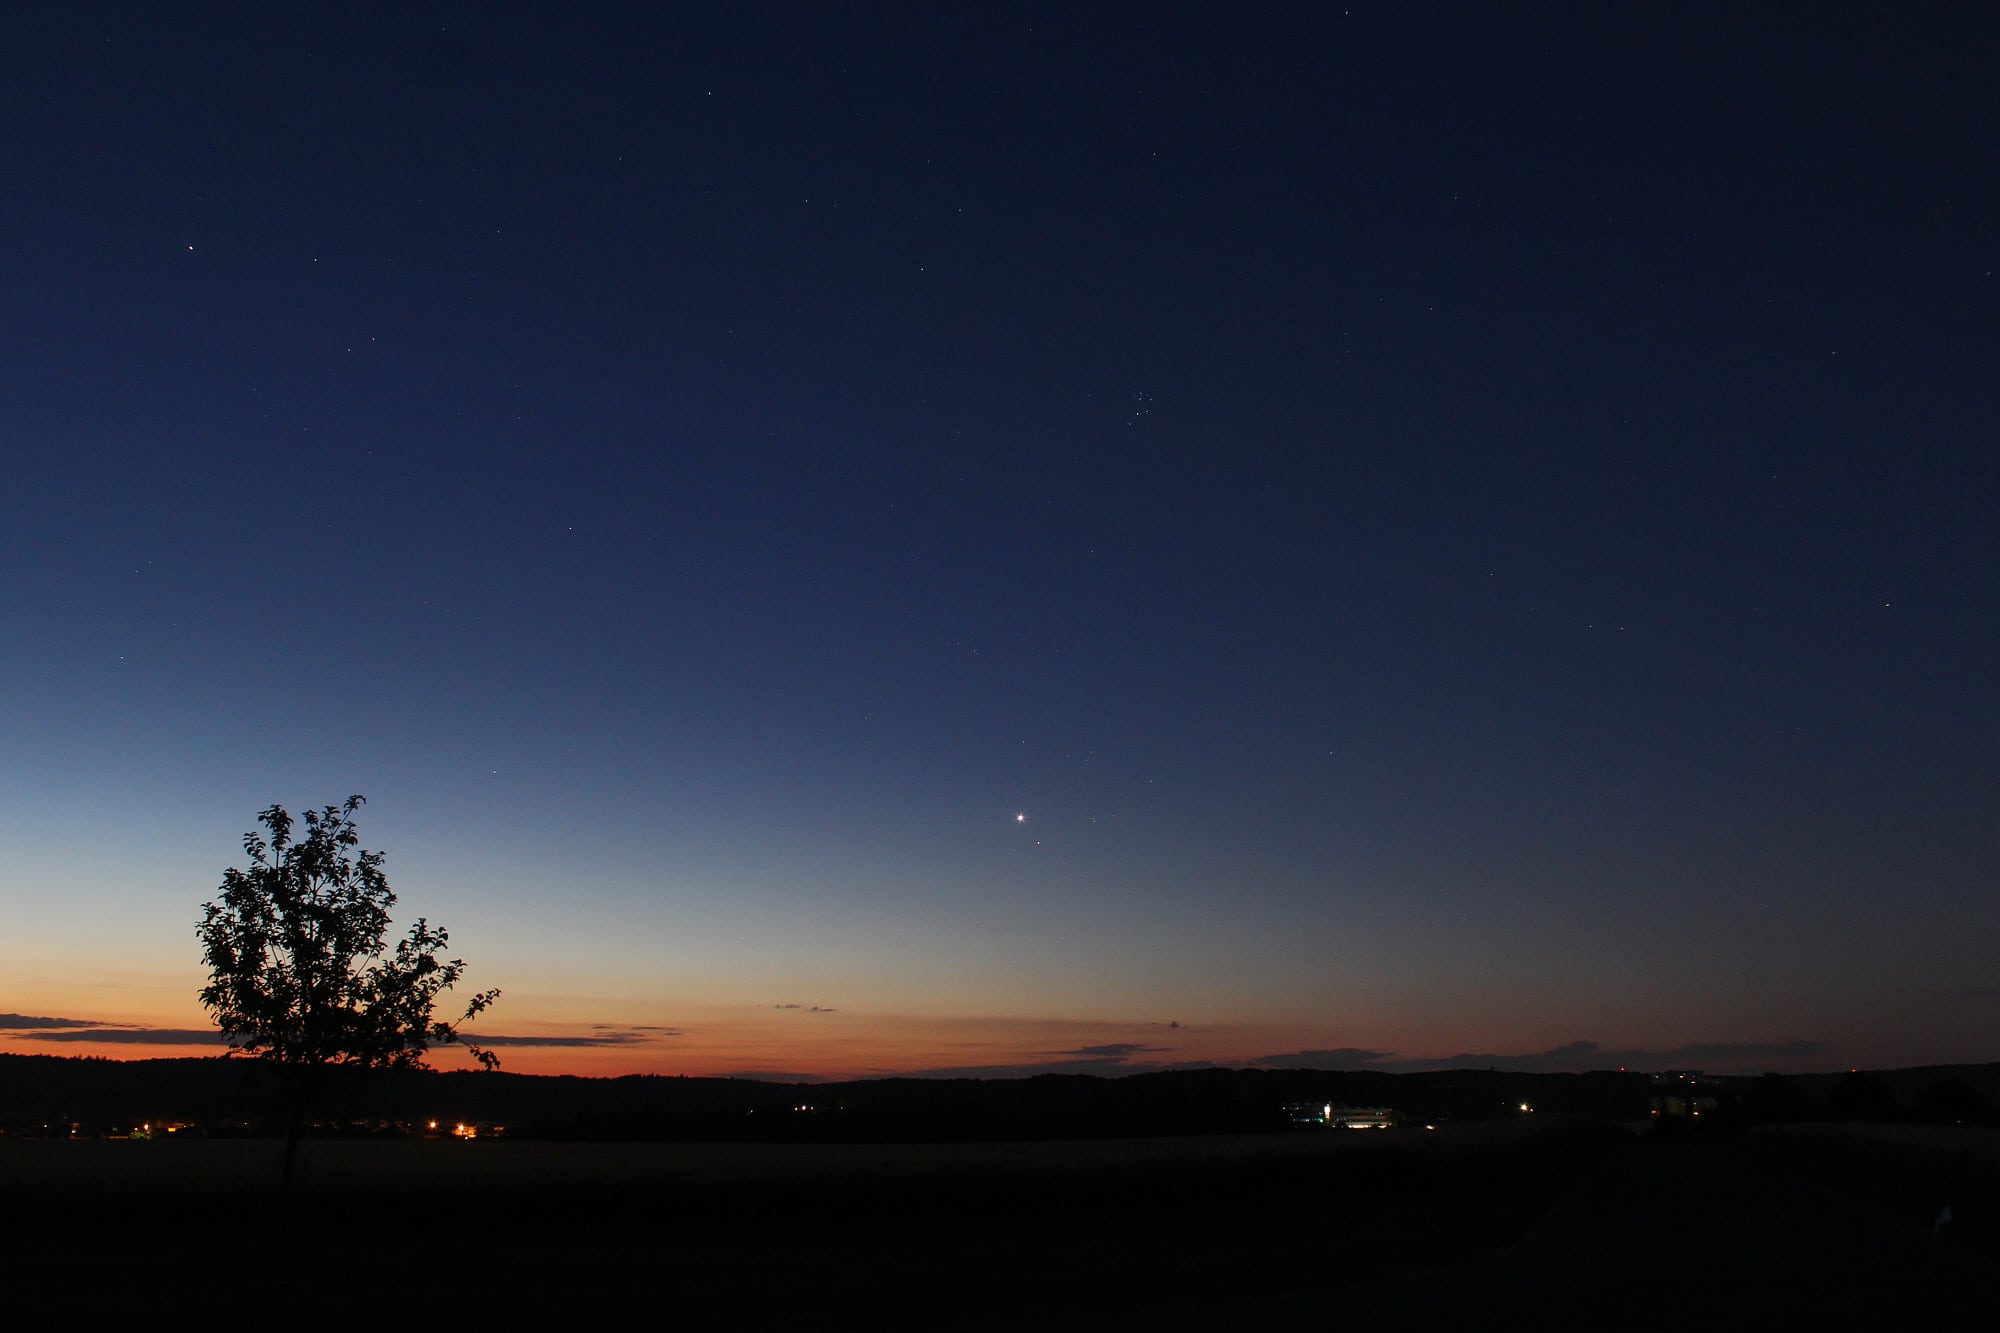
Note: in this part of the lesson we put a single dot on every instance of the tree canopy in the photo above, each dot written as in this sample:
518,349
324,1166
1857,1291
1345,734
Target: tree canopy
300,970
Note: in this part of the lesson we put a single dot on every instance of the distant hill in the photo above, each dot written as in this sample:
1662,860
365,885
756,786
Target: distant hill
1924,1092
221,1095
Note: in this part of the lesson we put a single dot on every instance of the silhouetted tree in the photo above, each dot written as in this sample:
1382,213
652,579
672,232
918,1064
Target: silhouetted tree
300,974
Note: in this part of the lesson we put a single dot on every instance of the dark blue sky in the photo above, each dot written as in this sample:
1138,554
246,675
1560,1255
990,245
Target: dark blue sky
1463,528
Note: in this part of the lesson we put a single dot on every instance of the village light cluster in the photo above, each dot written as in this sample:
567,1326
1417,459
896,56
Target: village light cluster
1328,1115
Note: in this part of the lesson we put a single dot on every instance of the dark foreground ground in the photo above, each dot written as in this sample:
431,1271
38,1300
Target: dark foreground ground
1818,1227
1520,1225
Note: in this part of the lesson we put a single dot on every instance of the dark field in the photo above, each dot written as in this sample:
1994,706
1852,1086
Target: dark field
857,1235
1562,1224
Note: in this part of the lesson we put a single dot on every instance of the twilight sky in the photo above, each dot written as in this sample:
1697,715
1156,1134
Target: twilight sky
849,539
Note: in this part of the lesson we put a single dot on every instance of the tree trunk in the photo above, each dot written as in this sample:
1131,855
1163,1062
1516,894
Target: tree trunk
295,1123
291,1159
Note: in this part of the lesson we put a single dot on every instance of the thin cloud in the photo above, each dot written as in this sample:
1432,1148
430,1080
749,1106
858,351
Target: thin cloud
79,1030
599,1036
1339,1057
1582,1056
132,1036
1115,1050
1106,1060
1568,1058
1573,1057
1111,1067
22,1022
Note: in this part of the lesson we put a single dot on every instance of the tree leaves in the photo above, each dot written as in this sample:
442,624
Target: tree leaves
296,946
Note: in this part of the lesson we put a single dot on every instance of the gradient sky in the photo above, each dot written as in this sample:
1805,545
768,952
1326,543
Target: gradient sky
1464,530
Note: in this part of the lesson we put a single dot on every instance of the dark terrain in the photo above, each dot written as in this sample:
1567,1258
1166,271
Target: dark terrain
855,1235
1760,1232
1159,1202
1529,1223
237,1096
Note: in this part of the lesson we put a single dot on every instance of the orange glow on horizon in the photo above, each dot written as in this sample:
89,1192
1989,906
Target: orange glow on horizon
781,1044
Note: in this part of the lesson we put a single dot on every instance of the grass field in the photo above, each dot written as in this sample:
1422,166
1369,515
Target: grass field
765,1235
